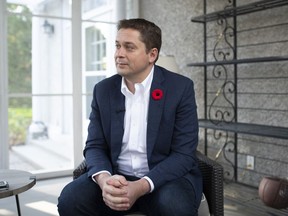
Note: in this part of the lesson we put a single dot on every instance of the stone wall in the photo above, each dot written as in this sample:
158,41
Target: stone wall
262,88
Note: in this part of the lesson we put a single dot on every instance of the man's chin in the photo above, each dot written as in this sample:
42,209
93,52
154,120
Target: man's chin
122,72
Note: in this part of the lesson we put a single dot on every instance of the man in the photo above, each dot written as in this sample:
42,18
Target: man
142,136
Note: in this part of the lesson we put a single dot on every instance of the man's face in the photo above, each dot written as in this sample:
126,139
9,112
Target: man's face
131,57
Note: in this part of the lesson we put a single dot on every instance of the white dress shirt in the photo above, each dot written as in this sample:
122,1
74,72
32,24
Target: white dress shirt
133,156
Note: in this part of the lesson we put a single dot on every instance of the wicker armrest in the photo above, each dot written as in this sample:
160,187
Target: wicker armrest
82,168
212,173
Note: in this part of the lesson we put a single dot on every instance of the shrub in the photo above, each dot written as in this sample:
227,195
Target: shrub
19,120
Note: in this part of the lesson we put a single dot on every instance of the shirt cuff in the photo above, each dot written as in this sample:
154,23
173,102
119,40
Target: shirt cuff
104,171
150,183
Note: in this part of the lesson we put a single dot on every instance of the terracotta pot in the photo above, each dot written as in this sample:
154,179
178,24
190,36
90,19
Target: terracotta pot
273,192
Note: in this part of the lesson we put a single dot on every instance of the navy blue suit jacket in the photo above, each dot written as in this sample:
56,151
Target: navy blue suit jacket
172,129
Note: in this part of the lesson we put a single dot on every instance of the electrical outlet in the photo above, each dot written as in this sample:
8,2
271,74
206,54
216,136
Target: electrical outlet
250,162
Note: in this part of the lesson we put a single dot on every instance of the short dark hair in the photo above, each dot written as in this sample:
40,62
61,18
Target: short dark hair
150,33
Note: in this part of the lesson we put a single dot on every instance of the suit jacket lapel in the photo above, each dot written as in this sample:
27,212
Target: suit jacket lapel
117,119
155,110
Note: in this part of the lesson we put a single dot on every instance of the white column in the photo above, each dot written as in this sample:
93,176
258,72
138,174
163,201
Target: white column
120,10
135,8
132,9
77,80
4,146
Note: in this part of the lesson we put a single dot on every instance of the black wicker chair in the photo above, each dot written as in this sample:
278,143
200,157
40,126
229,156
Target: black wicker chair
212,173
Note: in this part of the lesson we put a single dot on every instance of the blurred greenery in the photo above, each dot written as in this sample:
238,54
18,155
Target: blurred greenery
19,51
19,121
19,71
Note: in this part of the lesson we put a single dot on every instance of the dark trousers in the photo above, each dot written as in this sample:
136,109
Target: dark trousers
83,197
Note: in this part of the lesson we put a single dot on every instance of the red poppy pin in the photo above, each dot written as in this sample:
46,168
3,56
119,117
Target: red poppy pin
157,94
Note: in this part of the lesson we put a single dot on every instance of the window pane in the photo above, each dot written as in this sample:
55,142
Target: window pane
89,5
90,83
41,139
95,55
51,8
20,116
51,56
19,50
40,89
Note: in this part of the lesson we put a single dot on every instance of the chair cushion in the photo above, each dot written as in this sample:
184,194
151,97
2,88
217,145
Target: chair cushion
203,208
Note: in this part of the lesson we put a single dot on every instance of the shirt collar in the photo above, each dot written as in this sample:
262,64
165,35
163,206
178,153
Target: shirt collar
145,83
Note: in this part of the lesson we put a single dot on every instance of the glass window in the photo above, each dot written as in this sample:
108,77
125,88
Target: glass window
40,117
89,5
90,83
43,82
52,8
19,49
95,49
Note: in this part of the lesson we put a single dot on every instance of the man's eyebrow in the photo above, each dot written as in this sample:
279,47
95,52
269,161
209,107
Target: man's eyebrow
126,42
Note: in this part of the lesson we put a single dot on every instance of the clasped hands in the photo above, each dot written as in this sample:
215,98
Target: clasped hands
120,194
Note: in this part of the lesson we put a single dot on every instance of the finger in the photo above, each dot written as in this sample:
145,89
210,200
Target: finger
114,182
122,180
117,181
115,191
116,203
115,199
118,207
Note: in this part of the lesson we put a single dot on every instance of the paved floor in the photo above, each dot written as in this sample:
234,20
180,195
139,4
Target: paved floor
246,199
43,154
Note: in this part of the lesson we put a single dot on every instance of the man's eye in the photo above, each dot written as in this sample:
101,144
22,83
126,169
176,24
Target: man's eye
129,47
117,46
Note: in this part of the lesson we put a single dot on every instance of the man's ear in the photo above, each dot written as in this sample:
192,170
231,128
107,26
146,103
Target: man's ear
153,54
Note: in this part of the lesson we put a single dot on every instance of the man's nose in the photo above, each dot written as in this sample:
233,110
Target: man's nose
119,52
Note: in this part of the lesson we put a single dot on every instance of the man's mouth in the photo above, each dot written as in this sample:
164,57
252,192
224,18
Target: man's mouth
121,63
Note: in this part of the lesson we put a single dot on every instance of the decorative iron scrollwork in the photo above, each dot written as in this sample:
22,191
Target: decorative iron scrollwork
216,115
222,52
227,147
223,47
225,112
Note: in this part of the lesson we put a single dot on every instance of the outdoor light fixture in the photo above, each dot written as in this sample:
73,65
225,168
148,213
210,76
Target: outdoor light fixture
48,28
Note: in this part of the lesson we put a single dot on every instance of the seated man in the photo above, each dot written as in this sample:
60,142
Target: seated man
142,136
